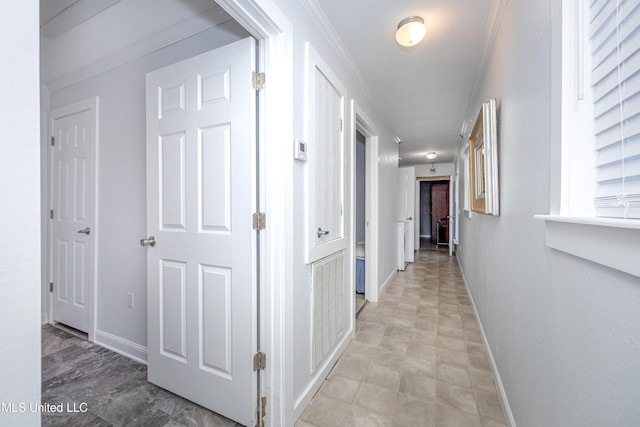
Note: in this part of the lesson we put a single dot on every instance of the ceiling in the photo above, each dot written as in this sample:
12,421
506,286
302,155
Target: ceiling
425,90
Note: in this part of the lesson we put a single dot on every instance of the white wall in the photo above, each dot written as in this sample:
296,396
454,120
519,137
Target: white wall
305,30
564,332
20,216
121,265
442,169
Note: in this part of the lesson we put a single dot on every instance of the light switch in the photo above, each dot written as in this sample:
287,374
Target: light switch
300,150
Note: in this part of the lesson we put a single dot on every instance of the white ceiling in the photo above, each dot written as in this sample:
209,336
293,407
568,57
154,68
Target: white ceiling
425,90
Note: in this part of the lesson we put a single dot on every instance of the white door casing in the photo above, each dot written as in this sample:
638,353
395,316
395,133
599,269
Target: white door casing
73,216
406,202
201,193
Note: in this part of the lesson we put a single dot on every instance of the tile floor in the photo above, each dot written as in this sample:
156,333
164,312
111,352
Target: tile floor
114,388
417,358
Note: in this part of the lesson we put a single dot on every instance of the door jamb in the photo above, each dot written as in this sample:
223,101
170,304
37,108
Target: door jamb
91,104
365,126
266,23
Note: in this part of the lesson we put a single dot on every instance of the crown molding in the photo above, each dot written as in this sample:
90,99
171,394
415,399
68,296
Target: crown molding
491,32
173,34
329,33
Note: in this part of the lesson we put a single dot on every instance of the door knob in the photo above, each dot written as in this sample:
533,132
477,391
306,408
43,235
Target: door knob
151,241
321,232
410,218
86,231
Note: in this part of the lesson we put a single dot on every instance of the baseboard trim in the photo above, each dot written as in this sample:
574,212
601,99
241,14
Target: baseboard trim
388,280
321,375
44,318
496,374
122,346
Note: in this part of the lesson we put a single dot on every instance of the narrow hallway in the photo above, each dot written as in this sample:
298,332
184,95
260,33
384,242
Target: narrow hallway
417,358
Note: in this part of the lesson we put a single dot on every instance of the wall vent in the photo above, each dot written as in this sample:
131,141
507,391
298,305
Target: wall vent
327,304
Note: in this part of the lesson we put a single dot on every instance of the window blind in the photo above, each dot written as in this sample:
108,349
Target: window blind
614,32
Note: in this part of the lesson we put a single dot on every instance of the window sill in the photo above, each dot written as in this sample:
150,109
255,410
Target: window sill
611,242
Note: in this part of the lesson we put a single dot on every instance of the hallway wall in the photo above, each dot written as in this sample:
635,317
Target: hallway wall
20,216
563,331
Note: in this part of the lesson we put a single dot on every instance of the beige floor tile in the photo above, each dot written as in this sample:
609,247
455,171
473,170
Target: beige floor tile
399,333
450,417
393,345
383,377
479,362
461,398
418,386
304,424
349,367
475,348
424,367
368,339
373,328
341,388
482,380
376,398
488,422
451,332
453,375
412,412
472,336
390,360
421,351
453,358
361,417
359,351
451,343
489,405
450,323
325,412
424,337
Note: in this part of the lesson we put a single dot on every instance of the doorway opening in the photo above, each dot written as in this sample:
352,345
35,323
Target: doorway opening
360,220
434,214
365,204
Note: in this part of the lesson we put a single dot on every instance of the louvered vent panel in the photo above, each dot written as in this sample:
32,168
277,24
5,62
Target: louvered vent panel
327,305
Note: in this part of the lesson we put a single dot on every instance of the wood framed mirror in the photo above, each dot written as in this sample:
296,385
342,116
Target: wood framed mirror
483,162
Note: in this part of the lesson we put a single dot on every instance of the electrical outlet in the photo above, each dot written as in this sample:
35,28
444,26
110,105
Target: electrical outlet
130,300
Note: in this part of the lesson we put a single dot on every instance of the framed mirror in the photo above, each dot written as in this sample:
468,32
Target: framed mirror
483,161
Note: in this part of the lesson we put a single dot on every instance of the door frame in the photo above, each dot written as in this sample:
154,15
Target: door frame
90,104
267,24
451,180
365,126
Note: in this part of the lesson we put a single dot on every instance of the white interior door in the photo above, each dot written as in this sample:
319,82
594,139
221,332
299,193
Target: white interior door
406,206
72,212
201,192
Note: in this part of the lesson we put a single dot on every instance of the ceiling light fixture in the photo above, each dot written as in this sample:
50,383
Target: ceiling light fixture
411,31
431,155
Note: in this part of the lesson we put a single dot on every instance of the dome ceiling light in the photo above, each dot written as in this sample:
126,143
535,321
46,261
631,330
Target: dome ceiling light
411,31
431,155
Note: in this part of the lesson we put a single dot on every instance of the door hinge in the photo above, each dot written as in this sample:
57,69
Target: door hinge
259,221
258,80
264,410
50,286
53,141
51,213
259,361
